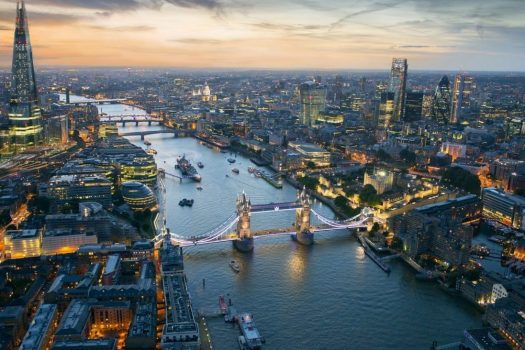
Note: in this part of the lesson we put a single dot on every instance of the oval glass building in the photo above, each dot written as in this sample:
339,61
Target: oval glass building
138,196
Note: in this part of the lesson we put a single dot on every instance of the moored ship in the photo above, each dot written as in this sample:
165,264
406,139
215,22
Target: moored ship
187,169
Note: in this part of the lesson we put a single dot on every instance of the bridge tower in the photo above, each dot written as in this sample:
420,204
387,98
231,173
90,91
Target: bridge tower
302,220
244,241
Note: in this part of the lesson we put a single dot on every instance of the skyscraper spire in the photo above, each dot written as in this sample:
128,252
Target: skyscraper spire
23,87
25,119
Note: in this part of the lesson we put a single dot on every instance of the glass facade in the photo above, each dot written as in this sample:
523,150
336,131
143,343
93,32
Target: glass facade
398,82
441,104
313,101
25,119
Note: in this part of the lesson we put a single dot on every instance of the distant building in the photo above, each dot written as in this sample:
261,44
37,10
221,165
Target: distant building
441,104
463,86
454,150
413,106
484,339
386,110
311,153
313,101
398,81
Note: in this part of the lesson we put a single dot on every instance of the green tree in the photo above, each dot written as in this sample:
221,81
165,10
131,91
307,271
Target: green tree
369,196
310,165
309,182
341,201
382,155
407,156
463,179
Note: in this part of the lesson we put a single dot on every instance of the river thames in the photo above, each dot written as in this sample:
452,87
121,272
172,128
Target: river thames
325,296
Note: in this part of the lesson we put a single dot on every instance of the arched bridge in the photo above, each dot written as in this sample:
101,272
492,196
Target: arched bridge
243,236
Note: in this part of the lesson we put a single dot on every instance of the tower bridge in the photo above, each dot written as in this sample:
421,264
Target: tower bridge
237,228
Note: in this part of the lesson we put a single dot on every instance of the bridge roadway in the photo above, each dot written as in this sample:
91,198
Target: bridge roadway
174,132
259,234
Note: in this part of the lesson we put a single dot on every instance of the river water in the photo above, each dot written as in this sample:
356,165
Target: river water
325,296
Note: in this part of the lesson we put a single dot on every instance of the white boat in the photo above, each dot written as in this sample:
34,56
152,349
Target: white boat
235,266
151,151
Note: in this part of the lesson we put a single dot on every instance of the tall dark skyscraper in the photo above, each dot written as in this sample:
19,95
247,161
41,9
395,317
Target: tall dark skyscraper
398,83
442,103
25,118
413,106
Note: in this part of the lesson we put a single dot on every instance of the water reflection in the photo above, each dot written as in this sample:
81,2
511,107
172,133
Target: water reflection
298,261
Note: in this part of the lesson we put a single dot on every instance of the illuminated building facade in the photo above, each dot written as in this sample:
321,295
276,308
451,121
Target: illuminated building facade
19,244
25,119
386,110
463,86
71,189
441,103
381,180
313,101
138,196
505,208
398,82
454,150
65,241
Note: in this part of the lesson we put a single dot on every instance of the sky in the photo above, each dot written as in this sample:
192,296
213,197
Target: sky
466,35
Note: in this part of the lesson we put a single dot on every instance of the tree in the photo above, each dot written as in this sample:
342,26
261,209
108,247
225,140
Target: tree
369,196
310,165
520,192
407,156
309,182
463,179
382,155
340,201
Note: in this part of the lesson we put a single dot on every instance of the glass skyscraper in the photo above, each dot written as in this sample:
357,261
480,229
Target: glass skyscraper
463,85
25,119
441,104
313,101
398,82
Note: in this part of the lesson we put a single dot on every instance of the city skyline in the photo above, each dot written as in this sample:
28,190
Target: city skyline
466,36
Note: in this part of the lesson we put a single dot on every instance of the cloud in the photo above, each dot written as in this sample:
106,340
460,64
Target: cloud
137,28
211,5
101,5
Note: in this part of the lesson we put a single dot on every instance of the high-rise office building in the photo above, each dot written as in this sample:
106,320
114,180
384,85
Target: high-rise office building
398,82
463,85
25,119
413,106
441,104
386,110
313,101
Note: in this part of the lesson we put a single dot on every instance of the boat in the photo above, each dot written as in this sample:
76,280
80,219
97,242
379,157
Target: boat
235,170
249,331
147,143
223,307
187,169
231,160
235,266
199,188
186,202
151,151
251,170
258,174
200,165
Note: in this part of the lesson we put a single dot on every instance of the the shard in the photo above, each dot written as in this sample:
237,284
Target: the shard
25,117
